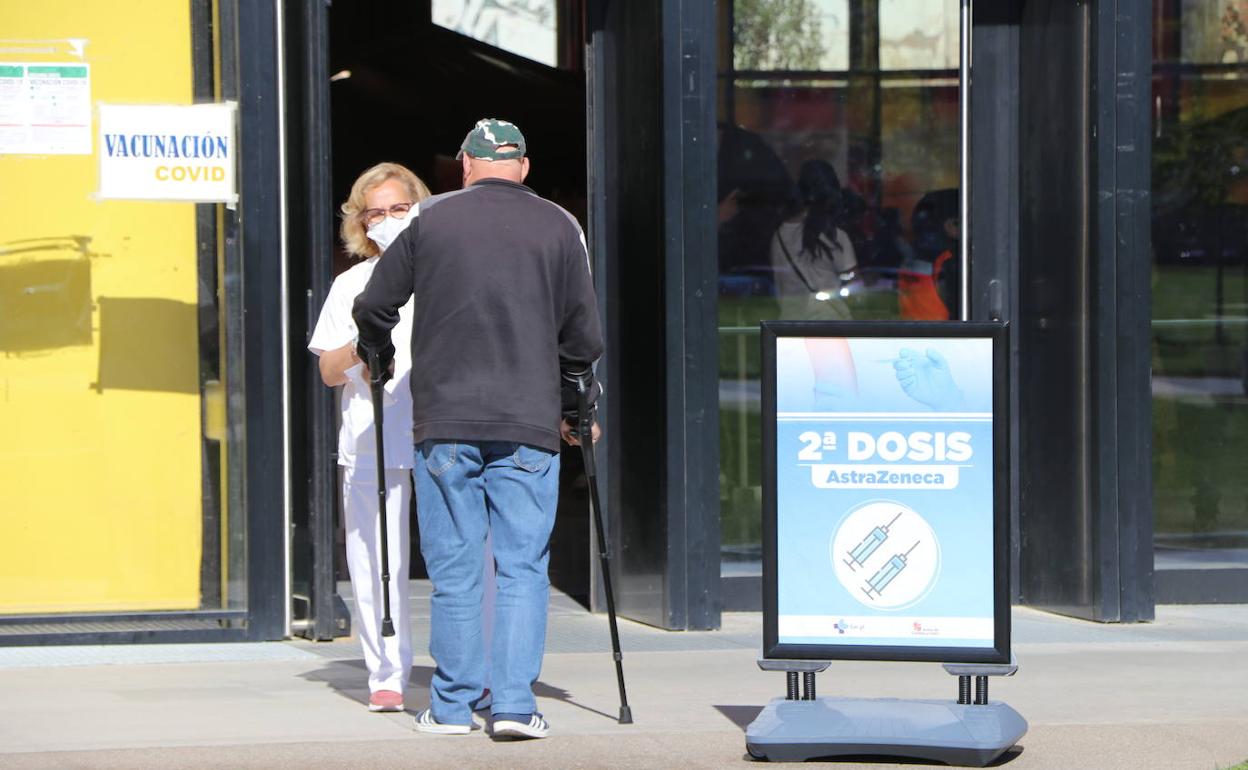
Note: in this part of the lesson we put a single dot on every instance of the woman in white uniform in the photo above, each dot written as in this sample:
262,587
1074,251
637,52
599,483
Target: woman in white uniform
374,214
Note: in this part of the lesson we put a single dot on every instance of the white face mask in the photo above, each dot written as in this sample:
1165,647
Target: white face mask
384,232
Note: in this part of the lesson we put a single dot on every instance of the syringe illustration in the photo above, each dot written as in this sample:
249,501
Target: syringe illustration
886,574
874,539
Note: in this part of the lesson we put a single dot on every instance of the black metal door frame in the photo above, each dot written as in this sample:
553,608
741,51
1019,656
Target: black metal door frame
318,611
1030,236
1083,266
651,124
256,243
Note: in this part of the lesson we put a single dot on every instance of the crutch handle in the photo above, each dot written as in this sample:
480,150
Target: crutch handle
585,423
377,375
378,358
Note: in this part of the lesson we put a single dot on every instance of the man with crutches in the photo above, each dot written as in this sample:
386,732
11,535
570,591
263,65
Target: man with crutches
504,303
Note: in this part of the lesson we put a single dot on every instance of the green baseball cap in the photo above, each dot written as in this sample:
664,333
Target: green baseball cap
488,136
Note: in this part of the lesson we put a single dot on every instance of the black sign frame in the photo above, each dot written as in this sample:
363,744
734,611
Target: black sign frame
771,331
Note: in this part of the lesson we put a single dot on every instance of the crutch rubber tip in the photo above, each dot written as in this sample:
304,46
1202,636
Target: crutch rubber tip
387,627
626,715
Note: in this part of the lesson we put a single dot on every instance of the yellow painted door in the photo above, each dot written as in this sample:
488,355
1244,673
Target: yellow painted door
100,503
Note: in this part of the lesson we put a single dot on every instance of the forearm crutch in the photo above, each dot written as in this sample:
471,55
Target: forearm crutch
375,381
585,430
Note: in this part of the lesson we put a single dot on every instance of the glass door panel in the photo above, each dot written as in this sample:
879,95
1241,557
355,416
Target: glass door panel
1200,283
839,166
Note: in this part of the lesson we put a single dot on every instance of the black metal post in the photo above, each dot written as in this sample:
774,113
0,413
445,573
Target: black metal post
251,293
311,233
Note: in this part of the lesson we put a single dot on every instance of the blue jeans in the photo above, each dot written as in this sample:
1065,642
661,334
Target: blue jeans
464,489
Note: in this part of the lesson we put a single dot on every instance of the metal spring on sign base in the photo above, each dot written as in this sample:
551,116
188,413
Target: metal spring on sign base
808,685
981,690
964,690
791,682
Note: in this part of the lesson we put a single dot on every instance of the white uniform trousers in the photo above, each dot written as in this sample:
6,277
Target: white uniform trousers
389,659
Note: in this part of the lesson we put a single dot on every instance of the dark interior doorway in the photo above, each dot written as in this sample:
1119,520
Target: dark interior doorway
406,90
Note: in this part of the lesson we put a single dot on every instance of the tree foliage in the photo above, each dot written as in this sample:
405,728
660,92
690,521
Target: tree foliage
776,35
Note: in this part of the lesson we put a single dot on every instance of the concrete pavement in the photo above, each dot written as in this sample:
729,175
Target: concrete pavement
1171,694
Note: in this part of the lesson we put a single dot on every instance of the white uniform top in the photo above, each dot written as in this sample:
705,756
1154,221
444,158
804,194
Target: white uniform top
357,444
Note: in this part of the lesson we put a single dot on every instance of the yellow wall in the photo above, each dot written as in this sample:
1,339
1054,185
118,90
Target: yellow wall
100,489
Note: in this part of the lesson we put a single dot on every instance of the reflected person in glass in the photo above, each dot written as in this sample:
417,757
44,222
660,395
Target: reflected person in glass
928,281
811,255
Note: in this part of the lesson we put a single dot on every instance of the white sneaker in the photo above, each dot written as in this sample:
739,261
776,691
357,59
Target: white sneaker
425,723
535,727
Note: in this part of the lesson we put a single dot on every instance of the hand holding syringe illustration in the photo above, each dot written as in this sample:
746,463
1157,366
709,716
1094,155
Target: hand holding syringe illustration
925,377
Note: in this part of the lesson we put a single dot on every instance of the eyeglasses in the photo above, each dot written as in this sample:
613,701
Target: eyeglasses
371,217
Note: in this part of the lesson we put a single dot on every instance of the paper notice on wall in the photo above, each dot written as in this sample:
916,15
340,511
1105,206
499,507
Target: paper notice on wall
45,108
168,152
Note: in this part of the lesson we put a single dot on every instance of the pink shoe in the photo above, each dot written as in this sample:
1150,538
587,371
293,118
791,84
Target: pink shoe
385,700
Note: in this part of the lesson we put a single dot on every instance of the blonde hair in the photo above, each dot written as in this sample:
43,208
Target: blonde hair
353,232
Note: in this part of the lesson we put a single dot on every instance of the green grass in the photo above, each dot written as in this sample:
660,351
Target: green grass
1191,291
738,348
1241,766
741,508
1200,486
1187,341
740,448
739,353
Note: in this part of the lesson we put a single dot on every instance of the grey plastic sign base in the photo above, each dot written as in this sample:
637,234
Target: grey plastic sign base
942,731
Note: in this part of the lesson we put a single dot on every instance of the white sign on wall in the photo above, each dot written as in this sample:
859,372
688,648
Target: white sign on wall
168,153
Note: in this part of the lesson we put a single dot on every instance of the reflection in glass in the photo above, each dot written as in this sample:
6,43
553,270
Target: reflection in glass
1212,31
1200,282
812,258
791,35
927,280
838,158
524,27
919,34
